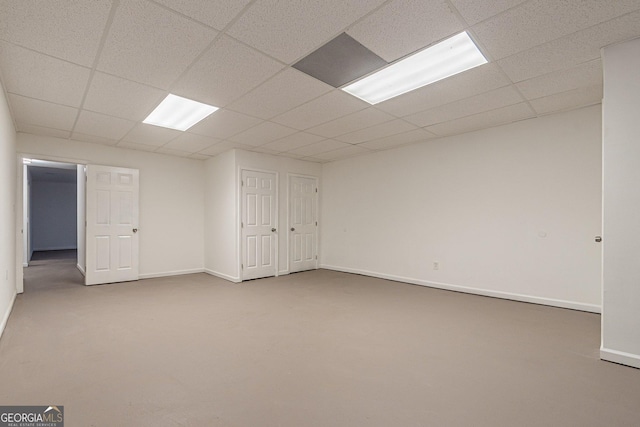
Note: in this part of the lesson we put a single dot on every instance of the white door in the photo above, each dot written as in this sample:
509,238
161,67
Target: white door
112,225
258,224
303,224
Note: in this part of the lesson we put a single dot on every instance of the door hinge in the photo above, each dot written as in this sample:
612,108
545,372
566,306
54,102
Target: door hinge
316,223
316,190
316,257
242,183
242,266
242,225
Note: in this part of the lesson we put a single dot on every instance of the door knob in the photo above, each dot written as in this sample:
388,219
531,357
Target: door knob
293,229
598,239
135,230
273,230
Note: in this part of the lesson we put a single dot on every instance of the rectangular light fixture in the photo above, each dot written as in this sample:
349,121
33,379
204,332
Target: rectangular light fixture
447,58
175,112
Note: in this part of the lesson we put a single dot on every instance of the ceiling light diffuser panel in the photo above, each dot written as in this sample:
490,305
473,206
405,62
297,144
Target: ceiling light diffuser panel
175,112
447,58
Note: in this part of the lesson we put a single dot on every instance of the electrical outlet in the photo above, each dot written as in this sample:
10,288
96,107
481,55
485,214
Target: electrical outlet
436,265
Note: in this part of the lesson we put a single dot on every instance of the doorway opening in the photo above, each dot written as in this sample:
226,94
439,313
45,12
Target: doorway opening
51,223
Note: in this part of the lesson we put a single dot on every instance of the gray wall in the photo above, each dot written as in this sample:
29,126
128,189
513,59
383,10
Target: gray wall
53,214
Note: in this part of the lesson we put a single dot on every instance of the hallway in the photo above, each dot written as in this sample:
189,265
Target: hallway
52,270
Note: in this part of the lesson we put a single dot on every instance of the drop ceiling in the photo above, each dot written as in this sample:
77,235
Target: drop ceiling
91,71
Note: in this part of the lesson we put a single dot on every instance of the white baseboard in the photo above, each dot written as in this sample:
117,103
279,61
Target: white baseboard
25,264
223,276
170,273
5,318
620,357
592,308
79,267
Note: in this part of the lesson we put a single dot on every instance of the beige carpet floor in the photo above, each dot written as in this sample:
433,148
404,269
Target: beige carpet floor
319,348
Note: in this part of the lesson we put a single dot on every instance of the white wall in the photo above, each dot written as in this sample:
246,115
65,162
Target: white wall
282,166
510,211
54,211
8,236
621,203
221,219
171,199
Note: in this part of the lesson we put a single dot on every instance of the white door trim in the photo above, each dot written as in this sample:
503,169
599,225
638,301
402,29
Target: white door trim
19,207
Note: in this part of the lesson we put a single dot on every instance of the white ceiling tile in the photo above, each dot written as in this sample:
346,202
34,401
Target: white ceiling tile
215,13
484,120
38,130
90,123
491,100
263,150
214,150
151,45
320,147
397,140
314,160
261,134
225,72
191,142
47,49
473,82
474,11
353,122
584,75
291,156
288,30
572,99
342,153
171,152
93,139
35,75
42,113
121,98
67,29
223,124
151,135
291,142
540,21
571,50
323,109
285,91
139,147
402,27
392,127
221,148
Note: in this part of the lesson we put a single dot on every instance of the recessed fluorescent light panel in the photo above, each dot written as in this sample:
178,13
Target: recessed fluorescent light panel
175,112
447,58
